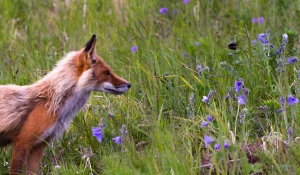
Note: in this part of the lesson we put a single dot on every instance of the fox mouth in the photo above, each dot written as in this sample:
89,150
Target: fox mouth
117,90
114,91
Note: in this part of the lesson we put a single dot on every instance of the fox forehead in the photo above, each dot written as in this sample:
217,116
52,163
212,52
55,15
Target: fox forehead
101,63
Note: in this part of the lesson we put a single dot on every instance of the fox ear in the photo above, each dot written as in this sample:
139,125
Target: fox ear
90,47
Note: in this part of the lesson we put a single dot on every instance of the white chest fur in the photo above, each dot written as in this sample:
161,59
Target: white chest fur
72,106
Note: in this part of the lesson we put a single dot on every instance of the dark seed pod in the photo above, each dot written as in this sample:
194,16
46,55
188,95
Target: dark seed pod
232,46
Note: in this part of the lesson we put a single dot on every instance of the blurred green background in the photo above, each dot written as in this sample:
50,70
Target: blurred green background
163,110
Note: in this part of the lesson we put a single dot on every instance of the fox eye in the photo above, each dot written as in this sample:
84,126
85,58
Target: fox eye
107,72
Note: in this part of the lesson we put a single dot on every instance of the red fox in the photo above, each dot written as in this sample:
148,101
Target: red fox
32,116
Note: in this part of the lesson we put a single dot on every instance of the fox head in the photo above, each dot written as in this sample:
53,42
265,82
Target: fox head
94,74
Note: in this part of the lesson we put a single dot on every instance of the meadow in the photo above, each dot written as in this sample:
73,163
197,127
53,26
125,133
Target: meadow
215,84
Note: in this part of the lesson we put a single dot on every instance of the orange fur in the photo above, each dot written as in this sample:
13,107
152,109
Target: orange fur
32,116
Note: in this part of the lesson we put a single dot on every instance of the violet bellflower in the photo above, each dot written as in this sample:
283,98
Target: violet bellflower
163,10
186,1
207,140
279,110
283,44
226,144
134,48
292,60
204,124
217,146
298,74
262,37
209,118
241,100
292,100
261,20
98,132
229,94
206,99
238,85
254,20
246,92
200,68
117,140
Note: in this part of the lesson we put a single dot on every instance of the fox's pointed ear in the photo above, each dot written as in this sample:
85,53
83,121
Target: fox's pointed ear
90,47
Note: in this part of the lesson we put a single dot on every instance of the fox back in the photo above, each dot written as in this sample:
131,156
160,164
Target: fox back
33,114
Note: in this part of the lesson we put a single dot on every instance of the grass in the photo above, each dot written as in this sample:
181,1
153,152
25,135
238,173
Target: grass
164,133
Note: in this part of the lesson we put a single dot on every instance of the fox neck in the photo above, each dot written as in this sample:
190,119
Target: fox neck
64,93
61,85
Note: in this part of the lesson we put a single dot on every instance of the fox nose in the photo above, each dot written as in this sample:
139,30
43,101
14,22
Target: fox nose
128,85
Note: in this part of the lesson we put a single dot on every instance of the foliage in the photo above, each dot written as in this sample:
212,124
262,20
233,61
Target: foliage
173,58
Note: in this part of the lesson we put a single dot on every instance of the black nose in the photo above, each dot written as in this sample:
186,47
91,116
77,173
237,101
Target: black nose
128,85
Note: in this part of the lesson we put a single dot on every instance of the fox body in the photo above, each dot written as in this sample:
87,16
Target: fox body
32,116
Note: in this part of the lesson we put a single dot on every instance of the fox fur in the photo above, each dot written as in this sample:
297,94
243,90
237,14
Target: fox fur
34,115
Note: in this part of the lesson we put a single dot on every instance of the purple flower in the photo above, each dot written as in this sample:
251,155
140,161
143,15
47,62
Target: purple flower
209,118
262,37
264,42
205,99
279,110
204,124
246,91
298,74
254,20
184,54
117,140
254,42
292,100
238,85
186,1
163,10
207,140
261,20
292,60
217,146
134,48
98,133
197,43
281,48
226,144
208,97
229,94
199,68
241,100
